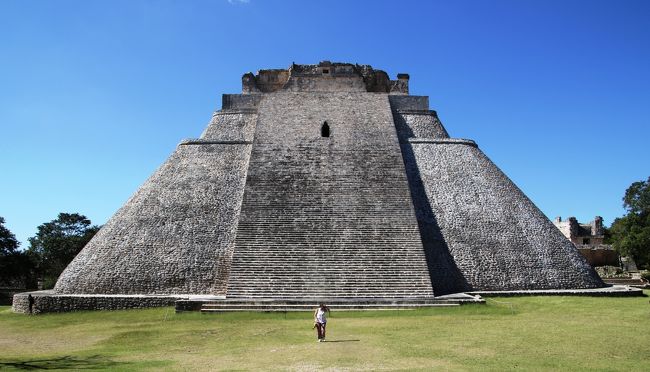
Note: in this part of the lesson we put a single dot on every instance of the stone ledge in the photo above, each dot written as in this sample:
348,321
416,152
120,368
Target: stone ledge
51,302
247,111
212,142
416,112
443,141
359,303
613,291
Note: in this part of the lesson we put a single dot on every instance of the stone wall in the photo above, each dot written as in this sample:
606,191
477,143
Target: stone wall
240,102
324,77
271,80
568,228
418,124
589,238
409,103
582,233
231,126
325,84
51,302
600,255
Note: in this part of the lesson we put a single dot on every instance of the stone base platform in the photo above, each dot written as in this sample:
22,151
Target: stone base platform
632,282
49,301
612,291
309,304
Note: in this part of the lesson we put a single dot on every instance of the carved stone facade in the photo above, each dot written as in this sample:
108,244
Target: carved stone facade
323,181
589,239
325,77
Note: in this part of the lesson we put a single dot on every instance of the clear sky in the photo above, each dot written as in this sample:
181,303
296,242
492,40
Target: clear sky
95,95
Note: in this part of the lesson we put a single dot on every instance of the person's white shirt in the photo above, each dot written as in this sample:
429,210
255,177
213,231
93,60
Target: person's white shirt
320,316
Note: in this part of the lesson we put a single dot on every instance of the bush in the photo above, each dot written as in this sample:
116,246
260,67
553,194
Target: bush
646,276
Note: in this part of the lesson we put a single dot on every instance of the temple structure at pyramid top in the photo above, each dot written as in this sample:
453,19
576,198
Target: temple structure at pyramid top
321,181
324,77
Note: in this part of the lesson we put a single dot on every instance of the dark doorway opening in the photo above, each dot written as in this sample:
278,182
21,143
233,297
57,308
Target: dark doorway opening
325,130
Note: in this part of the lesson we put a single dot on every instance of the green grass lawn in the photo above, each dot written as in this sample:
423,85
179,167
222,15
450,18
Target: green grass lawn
525,333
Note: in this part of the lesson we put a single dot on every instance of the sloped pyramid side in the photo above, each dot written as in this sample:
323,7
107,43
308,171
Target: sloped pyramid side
497,237
173,234
482,229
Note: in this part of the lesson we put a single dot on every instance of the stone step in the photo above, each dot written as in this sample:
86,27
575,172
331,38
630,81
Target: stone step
327,261
308,270
332,284
325,248
276,291
331,263
625,281
314,275
308,254
329,283
308,304
256,294
326,265
293,308
314,305
329,286
312,301
356,287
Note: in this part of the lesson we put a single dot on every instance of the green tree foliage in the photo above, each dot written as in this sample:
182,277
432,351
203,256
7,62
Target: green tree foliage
607,235
57,242
637,198
8,242
15,267
631,233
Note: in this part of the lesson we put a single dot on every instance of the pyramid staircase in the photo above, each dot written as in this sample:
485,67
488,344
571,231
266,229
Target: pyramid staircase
327,217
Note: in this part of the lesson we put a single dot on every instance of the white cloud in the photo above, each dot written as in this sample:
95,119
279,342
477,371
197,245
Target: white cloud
239,1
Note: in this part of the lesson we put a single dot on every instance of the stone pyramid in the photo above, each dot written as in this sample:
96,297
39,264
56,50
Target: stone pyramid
326,180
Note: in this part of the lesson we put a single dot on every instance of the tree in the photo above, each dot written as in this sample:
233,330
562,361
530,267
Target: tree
15,267
8,242
57,242
637,198
631,233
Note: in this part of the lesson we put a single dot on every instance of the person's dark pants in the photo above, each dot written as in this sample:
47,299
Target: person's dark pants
320,327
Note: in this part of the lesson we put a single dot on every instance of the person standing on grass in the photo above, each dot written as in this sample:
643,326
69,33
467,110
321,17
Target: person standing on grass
31,301
320,321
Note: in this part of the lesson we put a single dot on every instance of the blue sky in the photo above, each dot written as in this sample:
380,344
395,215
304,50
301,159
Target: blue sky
95,95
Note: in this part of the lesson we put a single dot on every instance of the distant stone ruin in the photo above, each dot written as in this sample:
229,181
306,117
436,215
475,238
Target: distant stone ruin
589,239
320,181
